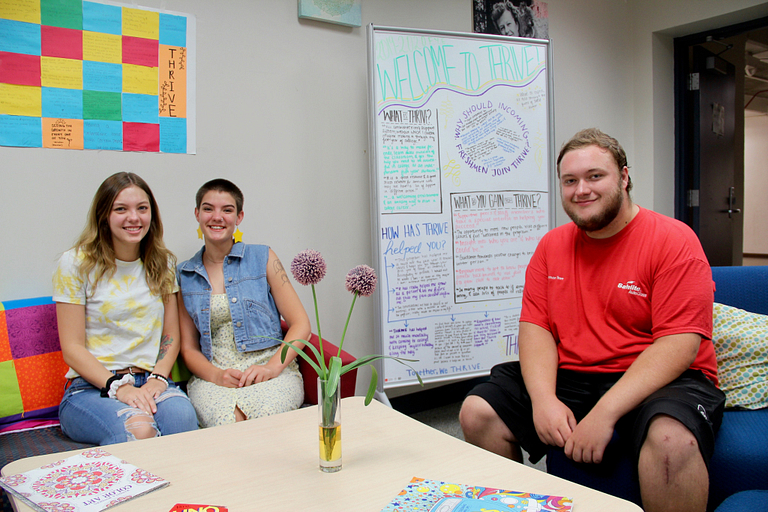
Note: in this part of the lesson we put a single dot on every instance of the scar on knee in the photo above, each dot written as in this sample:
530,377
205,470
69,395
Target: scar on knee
666,470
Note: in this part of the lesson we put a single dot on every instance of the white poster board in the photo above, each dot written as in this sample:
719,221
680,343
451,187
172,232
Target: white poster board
461,157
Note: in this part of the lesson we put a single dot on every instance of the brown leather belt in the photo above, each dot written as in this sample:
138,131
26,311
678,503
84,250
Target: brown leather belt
133,370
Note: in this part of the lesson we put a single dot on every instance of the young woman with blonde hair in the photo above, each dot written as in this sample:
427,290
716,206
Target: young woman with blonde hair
118,322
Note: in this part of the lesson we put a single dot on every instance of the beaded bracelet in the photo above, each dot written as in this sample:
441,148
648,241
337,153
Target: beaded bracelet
158,377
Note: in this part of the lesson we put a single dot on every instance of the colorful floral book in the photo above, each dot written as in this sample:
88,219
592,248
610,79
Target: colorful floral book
433,496
91,481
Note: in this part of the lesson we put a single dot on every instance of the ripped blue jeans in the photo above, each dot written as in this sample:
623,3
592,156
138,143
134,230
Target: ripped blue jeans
86,417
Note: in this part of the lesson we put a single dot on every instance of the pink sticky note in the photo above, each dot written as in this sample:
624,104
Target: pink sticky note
19,69
141,137
65,43
139,51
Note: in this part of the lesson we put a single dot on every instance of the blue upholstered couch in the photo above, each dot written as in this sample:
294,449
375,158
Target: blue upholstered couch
739,467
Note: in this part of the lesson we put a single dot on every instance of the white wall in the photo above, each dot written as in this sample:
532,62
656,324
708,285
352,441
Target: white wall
282,111
755,178
593,71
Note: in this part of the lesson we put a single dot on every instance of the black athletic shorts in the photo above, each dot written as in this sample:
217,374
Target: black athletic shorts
692,399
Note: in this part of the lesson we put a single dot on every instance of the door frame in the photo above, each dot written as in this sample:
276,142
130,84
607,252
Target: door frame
686,154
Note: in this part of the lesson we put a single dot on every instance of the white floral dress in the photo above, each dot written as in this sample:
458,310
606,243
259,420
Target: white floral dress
215,405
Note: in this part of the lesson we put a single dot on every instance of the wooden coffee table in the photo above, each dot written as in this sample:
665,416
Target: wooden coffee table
271,464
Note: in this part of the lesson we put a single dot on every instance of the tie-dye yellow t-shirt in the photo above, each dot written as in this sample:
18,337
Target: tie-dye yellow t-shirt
123,320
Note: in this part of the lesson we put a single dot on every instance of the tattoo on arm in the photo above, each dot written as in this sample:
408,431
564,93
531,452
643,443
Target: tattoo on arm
165,345
280,272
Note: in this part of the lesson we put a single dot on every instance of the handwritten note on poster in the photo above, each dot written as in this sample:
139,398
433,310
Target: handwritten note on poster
462,149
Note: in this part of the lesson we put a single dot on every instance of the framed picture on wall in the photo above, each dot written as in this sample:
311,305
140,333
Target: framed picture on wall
519,18
341,12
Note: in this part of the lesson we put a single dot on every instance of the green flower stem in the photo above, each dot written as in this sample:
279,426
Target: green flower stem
344,333
319,335
327,406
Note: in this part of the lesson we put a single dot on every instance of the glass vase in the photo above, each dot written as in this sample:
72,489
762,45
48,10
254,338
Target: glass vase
329,419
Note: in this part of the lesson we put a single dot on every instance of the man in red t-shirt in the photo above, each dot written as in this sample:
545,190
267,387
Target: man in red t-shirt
614,335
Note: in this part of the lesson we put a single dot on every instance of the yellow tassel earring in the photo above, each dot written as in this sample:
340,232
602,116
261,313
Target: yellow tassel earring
199,233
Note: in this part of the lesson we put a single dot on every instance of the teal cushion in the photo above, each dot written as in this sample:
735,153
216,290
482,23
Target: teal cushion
741,346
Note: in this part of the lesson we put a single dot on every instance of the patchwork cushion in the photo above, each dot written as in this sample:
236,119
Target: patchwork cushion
741,346
31,366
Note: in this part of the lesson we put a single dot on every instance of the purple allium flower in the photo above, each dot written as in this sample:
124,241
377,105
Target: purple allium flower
308,267
361,280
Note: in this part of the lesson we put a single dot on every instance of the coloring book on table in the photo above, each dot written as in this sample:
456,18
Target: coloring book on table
91,481
433,496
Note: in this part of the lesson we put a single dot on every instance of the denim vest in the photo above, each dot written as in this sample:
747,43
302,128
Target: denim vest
251,305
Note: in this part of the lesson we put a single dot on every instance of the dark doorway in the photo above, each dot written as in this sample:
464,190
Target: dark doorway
717,220
710,87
